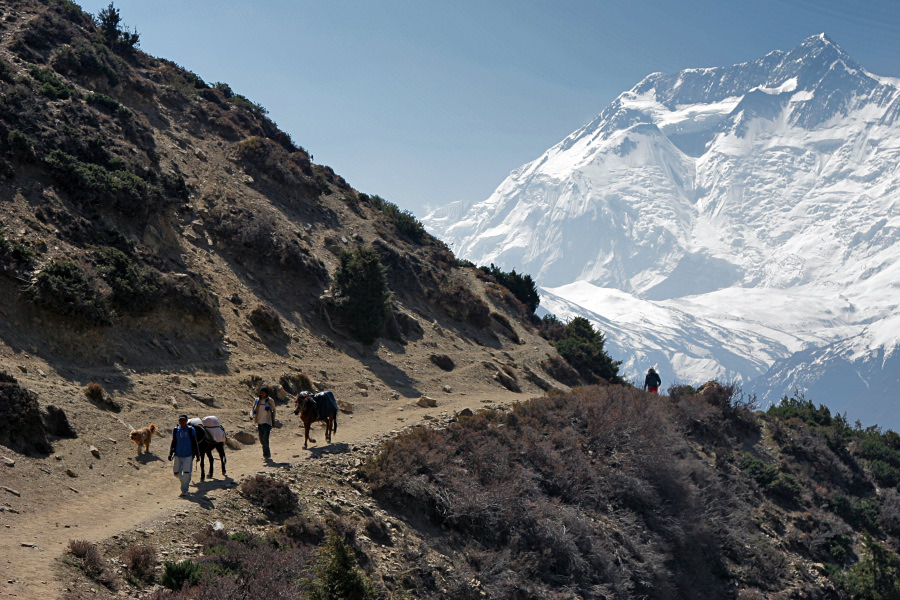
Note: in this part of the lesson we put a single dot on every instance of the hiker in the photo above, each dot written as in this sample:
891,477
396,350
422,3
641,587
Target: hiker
263,414
184,449
652,381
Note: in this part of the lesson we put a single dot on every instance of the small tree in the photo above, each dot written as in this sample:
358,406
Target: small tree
362,295
583,348
108,20
521,285
337,575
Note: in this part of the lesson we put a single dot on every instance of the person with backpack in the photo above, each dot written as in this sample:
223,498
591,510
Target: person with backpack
652,381
183,450
263,414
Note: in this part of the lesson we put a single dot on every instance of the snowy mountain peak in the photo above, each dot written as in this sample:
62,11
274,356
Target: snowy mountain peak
692,190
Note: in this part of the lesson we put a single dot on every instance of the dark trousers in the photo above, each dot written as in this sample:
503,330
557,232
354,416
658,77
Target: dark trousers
264,430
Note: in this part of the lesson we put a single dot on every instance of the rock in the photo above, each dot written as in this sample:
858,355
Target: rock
23,368
200,154
71,473
8,462
507,381
171,400
10,490
244,437
426,402
93,450
395,395
443,361
280,393
466,412
345,407
362,385
447,389
217,526
229,441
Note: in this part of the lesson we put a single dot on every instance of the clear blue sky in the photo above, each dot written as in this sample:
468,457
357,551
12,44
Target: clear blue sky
426,102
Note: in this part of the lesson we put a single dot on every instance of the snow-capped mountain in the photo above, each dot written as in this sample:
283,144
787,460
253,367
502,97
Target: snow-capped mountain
721,222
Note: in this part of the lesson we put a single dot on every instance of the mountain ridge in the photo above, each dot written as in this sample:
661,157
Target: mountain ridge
772,174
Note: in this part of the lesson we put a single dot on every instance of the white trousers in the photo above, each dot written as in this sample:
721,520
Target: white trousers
181,467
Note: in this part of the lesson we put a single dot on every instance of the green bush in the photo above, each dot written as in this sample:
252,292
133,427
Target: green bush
52,85
108,22
885,474
876,576
801,408
405,222
361,294
772,481
6,71
134,289
583,348
176,574
521,286
337,575
858,513
107,102
96,184
61,286
20,145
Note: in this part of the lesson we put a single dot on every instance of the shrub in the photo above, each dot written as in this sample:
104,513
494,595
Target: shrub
404,221
21,146
378,530
338,577
583,348
92,563
272,495
98,185
522,286
107,102
141,562
780,485
176,574
876,576
52,85
265,319
884,473
6,71
134,289
108,22
862,514
294,383
305,530
799,407
361,294
61,286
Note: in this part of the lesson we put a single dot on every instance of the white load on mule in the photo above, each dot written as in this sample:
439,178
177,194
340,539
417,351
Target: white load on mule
212,426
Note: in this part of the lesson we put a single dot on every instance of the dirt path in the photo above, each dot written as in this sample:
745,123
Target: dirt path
141,496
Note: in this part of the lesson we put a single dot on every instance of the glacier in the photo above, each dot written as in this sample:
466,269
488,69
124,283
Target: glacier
736,222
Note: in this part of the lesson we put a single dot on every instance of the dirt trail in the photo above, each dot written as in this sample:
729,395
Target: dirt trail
141,496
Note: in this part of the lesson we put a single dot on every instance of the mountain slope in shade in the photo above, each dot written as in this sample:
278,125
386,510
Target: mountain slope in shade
708,195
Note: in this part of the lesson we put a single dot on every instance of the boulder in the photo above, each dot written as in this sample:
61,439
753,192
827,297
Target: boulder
245,437
426,402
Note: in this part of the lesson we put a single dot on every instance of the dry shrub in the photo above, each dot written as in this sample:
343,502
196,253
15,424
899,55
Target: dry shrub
294,383
378,530
543,475
305,530
141,562
94,391
273,496
92,563
265,319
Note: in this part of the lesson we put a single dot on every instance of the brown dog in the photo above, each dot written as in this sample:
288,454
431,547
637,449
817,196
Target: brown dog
142,437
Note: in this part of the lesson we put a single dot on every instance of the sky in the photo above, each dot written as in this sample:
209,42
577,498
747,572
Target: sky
426,102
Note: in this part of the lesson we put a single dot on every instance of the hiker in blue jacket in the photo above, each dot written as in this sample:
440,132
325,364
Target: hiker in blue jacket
652,381
184,450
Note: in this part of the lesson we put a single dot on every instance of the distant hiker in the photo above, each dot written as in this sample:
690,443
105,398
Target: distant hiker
263,414
184,449
652,381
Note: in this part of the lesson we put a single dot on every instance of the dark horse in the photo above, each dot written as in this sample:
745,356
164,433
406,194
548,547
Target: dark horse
312,409
206,444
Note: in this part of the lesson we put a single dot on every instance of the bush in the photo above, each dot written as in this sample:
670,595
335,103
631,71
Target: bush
92,563
265,319
176,574
20,145
583,348
337,575
302,529
404,221
61,286
862,514
108,22
522,286
107,102
294,383
801,408
134,289
98,186
273,496
876,576
780,485
141,562
51,85
361,294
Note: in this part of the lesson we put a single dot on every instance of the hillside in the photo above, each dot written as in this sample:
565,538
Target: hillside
162,238
736,222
